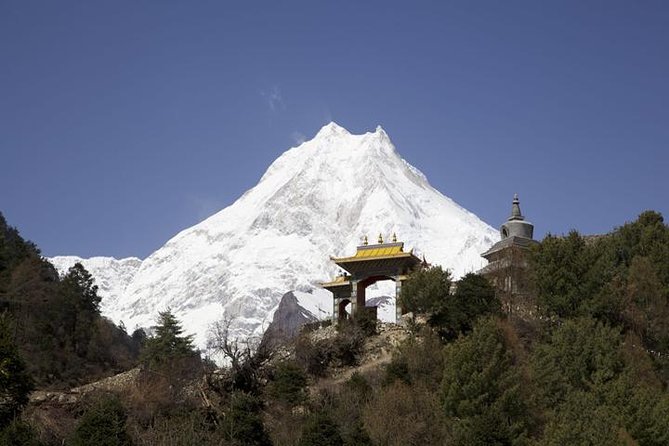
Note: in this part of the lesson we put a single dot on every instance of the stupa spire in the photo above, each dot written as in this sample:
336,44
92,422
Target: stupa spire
515,209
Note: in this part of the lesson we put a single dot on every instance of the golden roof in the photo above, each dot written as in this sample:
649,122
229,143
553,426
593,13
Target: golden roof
380,251
338,281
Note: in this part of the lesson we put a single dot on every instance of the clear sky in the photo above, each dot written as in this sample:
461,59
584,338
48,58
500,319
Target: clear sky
124,122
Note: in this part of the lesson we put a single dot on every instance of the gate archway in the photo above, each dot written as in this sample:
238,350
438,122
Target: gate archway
370,264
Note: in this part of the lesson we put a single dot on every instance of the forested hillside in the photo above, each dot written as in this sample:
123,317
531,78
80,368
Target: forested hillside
590,366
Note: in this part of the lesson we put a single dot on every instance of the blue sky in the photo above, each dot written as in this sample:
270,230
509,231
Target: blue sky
122,123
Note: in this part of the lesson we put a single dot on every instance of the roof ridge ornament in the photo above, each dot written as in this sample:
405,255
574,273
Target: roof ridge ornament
394,237
380,239
364,241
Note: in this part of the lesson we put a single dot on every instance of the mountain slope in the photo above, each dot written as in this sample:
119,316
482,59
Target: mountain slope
112,276
315,200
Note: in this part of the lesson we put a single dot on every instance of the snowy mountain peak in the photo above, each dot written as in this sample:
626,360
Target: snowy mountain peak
315,200
329,129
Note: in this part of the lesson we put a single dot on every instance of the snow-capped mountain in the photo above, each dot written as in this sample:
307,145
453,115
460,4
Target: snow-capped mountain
316,200
112,276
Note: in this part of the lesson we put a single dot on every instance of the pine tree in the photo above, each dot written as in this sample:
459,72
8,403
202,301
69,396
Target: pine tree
482,389
473,297
426,291
15,383
242,424
81,307
320,430
168,341
104,424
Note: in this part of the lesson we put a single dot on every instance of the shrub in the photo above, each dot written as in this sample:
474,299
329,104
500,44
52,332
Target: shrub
102,425
426,290
482,388
401,415
342,350
18,433
242,424
288,383
320,430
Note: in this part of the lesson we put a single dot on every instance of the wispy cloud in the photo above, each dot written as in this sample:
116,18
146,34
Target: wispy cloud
274,99
204,206
298,137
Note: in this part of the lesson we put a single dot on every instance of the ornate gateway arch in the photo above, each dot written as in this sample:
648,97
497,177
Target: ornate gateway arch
370,264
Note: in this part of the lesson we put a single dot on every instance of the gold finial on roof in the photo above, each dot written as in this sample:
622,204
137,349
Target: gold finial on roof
364,241
394,238
380,238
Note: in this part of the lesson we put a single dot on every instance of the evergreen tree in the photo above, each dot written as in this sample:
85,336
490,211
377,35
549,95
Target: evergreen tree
242,424
559,267
168,342
104,424
579,355
482,389
80,307
582,420
426,290
15,383
473,297
288,383
320,430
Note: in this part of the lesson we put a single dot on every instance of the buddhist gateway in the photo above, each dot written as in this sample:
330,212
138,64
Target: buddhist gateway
382,261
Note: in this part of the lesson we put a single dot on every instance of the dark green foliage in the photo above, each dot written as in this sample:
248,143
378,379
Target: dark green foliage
356,435
424,359
104,424
13,250
15,383
582,420
645,303
426,291
18,433
473,297
397,370
560,266
80,306
579,355
242,424
642,410
57,325
320,430
482,389
647,237
288,383
168,342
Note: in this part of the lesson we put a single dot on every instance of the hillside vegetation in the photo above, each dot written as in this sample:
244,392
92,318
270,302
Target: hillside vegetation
590,367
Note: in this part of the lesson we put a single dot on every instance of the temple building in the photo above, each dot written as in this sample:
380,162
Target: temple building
507,267
370,264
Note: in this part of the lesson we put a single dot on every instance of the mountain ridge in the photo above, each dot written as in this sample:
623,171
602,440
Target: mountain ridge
315,200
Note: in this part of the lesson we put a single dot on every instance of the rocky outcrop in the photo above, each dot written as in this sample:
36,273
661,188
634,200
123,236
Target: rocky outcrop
116,383
288,318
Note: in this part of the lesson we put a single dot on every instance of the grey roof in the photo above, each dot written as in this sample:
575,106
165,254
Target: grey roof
520,242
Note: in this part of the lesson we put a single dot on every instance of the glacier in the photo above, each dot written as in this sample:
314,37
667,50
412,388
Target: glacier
315,201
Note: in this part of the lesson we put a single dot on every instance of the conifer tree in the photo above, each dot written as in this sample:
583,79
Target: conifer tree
15,383
482,389
81,307
473,297
104,424
426,291
168,341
